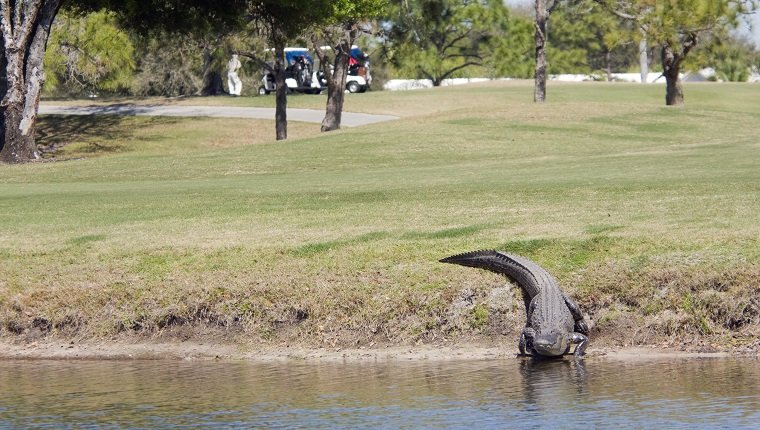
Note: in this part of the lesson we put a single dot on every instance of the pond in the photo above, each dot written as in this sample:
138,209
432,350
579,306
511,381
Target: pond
498,394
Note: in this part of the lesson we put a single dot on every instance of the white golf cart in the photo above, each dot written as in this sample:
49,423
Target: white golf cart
359,78
301,75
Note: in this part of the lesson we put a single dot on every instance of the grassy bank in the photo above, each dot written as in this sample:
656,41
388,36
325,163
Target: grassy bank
648,215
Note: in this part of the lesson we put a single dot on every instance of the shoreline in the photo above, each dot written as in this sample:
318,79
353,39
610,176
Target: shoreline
204,351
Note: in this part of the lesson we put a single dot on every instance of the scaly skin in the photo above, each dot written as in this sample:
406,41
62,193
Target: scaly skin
554,322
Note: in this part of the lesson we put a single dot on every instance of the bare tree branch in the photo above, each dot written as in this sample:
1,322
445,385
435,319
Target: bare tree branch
250,55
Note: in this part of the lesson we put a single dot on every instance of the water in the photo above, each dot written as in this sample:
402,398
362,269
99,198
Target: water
498,394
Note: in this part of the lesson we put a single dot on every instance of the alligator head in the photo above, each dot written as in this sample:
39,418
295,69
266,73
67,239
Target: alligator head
551,344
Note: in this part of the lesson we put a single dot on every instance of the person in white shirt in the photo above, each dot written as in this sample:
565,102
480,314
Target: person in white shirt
233,80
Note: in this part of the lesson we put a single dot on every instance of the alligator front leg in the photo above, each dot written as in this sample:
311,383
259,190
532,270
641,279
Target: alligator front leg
575,310
581,341
526,340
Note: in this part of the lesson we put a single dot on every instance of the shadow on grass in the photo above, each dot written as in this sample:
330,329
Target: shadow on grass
99,134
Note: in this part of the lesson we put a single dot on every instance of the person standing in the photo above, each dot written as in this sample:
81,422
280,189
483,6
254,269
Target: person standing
233,80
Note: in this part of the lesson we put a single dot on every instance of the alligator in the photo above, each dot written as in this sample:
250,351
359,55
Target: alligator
554,321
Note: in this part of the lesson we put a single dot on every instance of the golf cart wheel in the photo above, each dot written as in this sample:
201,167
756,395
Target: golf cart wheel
353,87
263,91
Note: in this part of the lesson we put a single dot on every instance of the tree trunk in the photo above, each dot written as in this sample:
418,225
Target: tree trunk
3,90
212,79
542,16
212,84
281,98
336,86
608,64
24,42
671,63
643,60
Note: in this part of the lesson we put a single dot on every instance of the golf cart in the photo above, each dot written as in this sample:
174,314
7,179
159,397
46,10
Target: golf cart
300,75
359,79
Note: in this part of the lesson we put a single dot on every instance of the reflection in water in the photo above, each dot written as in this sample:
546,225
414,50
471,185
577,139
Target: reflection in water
549,384
508,393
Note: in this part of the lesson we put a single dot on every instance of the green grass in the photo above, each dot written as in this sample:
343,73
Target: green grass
159,222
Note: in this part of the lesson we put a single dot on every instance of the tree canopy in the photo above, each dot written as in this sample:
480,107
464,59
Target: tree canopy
586,38
434,39
88,54
730,56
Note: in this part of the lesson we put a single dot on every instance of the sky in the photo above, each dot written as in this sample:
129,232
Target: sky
753,33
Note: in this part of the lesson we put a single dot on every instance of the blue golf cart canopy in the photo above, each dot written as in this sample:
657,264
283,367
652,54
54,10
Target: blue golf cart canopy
292,54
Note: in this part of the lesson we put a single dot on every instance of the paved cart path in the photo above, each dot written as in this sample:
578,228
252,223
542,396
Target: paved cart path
349,119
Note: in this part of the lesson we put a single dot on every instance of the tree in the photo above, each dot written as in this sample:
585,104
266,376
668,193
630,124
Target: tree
676,26
3,90
175,65
544,8
181,44
435,39
513,54
345,21
280,22
730,56
585,38
25,27
88,55
582,40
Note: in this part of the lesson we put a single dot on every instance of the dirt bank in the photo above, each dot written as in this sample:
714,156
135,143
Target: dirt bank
208,350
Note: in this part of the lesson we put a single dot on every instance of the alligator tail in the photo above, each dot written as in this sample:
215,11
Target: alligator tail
515,268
